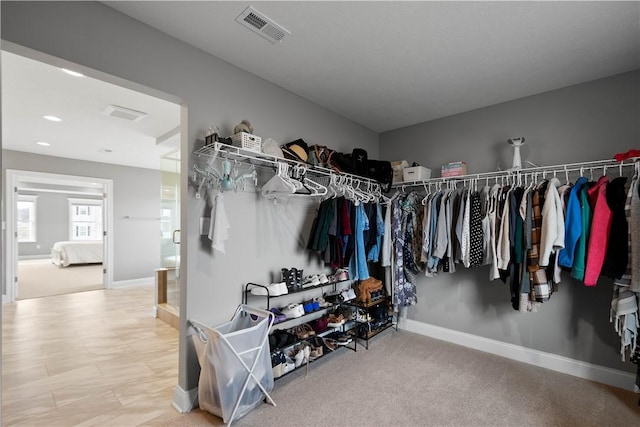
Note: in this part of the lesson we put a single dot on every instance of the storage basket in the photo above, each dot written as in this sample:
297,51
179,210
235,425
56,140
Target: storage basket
247,141
416,173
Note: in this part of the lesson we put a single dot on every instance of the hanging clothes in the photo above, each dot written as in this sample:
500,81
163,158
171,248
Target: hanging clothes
386,240
572,225
580,258
600,226
374,252
616,257
552,231
358,269
634,228
503,245
404,291
493,231
624,303
450,266
476,243
219,224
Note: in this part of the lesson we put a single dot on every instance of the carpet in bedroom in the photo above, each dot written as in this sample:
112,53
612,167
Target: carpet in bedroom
39,277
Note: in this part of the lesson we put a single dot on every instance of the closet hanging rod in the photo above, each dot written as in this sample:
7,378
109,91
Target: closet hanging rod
561,168
223,150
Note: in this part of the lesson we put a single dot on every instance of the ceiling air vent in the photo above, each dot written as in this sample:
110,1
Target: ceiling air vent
124,113
258,23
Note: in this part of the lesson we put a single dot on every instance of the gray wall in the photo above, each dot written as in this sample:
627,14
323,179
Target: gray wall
136,193
52,224
590,121
264,237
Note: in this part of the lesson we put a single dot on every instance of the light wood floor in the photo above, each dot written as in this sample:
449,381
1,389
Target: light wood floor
90,358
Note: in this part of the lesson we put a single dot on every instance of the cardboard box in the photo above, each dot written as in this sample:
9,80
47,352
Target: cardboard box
454,169
398,168
416,173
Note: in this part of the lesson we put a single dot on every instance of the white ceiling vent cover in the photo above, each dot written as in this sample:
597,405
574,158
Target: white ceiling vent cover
124,113
258,23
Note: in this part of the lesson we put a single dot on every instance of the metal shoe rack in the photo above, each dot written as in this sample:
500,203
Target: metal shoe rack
389,323
346,327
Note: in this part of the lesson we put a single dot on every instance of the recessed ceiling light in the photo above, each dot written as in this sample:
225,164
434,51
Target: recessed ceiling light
44,144
53,118
72,73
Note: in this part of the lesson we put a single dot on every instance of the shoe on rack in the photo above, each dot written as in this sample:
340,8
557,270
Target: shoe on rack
273,290
289,365
343,339
345,311
298,357
334,297
345,295
283,338
320,324
351,294
278,315
293,274
278,363
288,279
311,281
323,279
330,344
298,278
335,321
341,274
307,306
317,348
304,331
321,302
293,311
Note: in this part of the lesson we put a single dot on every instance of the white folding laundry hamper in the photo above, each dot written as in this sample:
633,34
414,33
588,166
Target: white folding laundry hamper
235,365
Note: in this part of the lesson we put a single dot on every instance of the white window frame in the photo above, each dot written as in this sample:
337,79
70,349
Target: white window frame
34,226
73,201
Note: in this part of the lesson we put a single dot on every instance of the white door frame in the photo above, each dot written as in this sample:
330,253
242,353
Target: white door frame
13,178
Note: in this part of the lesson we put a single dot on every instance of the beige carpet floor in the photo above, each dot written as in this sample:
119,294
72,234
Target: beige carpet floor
406,379
40,277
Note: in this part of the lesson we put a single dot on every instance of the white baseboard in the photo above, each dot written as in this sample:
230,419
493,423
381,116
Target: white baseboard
577,368
133,282
28,257
184,401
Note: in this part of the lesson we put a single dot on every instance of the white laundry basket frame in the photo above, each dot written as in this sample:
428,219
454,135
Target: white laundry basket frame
234,352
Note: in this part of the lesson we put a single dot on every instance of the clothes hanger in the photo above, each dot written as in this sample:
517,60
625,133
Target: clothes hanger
316,188
278,185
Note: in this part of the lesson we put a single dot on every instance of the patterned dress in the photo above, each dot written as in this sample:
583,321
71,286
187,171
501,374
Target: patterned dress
404,291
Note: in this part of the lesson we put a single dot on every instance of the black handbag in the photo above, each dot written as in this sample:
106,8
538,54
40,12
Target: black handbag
381,171
360,160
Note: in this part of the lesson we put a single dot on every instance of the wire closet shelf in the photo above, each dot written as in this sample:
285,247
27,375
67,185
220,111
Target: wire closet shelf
534,173
218,150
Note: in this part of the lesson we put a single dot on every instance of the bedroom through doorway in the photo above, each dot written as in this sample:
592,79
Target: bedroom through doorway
69,215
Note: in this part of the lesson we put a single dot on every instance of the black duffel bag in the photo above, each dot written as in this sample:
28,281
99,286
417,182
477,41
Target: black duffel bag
381,171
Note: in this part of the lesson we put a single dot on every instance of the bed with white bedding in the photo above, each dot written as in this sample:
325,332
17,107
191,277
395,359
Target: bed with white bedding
64,254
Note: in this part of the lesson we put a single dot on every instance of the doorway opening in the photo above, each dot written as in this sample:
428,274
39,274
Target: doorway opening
57,234
93,144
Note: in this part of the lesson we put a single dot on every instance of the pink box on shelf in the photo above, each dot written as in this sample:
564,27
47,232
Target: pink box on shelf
453,169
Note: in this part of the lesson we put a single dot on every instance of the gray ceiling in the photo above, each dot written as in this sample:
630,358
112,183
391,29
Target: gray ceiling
32,89
392,64
384,65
